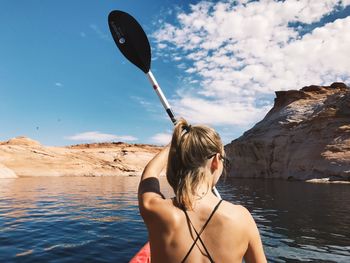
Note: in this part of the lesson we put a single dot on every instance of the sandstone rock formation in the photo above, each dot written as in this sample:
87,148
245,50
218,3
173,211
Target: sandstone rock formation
306,135
22,156
6,172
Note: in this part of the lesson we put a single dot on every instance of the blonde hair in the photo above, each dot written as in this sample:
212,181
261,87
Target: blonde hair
190,148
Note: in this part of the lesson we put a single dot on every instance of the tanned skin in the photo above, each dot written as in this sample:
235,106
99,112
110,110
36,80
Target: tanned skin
230,236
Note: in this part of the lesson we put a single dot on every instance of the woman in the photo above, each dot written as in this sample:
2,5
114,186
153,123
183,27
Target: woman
195,226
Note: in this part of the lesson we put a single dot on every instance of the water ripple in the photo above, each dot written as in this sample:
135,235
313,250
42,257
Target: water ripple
97,219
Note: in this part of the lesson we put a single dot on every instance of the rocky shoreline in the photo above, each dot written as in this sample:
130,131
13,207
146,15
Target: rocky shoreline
327,181
304,137
24,157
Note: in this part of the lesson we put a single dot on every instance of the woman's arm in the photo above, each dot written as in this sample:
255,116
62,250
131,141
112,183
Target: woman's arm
149,194
255,252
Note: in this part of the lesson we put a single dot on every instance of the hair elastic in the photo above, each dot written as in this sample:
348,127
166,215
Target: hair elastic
188,128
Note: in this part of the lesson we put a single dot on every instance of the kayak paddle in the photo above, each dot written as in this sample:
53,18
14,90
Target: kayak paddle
132,41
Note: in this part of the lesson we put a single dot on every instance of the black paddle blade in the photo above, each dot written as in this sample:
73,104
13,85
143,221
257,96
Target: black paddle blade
130,39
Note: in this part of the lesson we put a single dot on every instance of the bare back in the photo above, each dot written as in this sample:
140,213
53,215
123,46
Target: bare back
226,236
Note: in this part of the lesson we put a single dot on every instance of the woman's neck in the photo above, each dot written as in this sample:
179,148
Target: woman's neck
204,191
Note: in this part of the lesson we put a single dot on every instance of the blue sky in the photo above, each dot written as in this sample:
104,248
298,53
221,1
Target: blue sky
63,81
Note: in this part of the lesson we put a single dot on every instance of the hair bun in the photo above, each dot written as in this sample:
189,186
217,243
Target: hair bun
187,127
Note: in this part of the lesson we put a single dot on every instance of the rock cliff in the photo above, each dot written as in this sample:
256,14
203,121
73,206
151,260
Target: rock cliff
305,136
21,156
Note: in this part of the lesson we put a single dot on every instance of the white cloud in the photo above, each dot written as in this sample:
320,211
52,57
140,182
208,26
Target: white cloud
58,84
241,53
218,112
96,136
99,32
161,138
150,107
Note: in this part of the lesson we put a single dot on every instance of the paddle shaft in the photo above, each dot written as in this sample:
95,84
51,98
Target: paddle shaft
167,107
161,96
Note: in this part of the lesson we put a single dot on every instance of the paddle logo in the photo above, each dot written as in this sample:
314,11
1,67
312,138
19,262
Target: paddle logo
118,32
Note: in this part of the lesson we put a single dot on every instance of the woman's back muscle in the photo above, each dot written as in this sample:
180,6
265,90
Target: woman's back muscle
224,237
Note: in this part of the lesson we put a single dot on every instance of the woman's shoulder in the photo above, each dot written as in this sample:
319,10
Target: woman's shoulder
236,213
164,210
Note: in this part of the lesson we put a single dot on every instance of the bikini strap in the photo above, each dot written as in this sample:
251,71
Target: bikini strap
200,232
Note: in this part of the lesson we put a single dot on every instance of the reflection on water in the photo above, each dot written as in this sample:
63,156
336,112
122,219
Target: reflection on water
70,219
298,222
96,219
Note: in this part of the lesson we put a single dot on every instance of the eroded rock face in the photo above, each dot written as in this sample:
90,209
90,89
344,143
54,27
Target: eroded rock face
6,172
22,157
306,135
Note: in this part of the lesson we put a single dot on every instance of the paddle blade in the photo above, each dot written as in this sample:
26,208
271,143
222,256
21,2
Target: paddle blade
130,39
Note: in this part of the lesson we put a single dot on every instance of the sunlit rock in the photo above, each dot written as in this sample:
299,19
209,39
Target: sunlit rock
306,135
24,157
6,172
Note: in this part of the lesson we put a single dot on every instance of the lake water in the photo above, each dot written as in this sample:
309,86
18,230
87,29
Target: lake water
96,219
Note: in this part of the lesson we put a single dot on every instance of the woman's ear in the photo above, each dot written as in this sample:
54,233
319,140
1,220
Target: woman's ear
215,163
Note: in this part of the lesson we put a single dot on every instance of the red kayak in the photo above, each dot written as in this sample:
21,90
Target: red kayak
143,256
